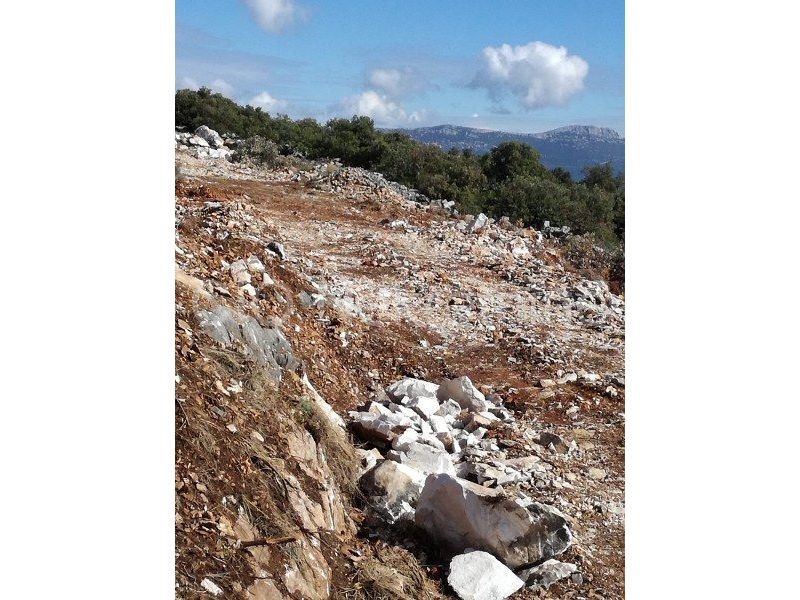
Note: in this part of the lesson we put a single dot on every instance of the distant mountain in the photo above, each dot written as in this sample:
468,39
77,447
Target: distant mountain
571,147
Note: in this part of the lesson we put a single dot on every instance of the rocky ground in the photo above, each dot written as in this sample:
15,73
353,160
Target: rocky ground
303,300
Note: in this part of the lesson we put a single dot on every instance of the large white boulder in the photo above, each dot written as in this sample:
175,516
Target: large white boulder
480,576
460,514
209,135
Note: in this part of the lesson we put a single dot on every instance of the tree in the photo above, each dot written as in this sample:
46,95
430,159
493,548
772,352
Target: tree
562,176
533,200
601,176
354,140
511,159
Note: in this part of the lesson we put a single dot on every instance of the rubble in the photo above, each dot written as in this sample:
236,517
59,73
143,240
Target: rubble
547,573
203,143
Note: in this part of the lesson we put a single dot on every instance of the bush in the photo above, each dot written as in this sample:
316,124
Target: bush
586,255
530,200
616,271
257,149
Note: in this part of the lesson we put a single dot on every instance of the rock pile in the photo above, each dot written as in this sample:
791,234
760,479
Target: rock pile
435,463
203,143
335,178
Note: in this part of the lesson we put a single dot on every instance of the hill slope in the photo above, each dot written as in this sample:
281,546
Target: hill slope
303,294
571,147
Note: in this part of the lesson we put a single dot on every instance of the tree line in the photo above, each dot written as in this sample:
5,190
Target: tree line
509,180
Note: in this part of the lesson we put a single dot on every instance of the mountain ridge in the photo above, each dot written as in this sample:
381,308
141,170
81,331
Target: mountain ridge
571,147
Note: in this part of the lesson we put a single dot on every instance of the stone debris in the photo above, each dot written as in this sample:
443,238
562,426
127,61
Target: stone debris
547,573
439,431
479,223
211,587
480,576
412,388
203,143
597,474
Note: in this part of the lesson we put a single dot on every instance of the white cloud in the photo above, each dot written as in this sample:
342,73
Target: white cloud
223,87
395,82
274,15
538,74
218,85
381,109
188,82
269,103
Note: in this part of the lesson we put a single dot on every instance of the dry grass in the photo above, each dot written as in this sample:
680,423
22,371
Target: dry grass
340,454
393,574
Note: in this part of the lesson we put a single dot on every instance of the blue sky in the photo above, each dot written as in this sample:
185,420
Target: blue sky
510,65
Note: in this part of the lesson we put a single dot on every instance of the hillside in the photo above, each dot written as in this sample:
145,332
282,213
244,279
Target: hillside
351,361
572,147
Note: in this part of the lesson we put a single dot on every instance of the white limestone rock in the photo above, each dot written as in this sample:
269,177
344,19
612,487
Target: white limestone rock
480,576
412,388
547,573
239,273
210,136
427,459
424,406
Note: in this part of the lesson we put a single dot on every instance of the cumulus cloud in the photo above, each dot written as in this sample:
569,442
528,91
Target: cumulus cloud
274,15
537,74
188,82
218,85
223,87
384,111
268,102
396,82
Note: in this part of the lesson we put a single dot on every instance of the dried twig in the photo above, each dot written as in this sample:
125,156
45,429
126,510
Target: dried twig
280,539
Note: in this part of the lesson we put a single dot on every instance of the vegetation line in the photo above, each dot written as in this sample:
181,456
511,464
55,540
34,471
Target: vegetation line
507,181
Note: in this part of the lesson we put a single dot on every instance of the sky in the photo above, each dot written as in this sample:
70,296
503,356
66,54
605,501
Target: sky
510,65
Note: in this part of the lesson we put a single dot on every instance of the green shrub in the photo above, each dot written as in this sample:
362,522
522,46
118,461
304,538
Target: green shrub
257,149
